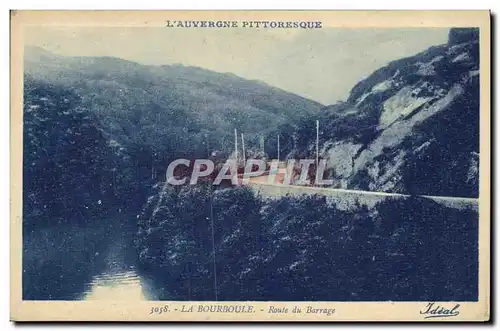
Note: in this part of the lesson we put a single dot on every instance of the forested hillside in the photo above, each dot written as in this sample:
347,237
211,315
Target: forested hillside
305,248
172,110
98,132
68,161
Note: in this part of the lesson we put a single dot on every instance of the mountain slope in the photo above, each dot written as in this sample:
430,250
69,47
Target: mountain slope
175,106
410,127
99,131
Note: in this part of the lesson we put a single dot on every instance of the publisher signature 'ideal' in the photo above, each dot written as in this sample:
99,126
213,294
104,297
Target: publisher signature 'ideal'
433,310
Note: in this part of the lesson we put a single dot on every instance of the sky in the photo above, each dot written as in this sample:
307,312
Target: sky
320,64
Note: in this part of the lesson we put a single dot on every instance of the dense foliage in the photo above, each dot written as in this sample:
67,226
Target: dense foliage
171,111
305,248
73,170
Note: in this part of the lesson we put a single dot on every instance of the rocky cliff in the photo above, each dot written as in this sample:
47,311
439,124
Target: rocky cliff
410,127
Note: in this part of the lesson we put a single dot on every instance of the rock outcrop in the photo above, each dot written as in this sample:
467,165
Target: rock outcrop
412,126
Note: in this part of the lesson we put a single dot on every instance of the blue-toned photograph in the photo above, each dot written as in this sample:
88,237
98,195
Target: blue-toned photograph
250,164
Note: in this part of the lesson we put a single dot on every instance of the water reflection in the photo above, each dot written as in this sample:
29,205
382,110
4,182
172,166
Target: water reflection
116,286
97,262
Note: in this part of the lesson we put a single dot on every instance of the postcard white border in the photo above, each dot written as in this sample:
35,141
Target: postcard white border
344,311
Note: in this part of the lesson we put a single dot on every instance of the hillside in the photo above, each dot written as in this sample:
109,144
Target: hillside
305,248
410,127
99,131
175,109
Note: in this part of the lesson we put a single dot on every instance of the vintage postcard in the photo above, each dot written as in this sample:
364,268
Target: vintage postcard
250,166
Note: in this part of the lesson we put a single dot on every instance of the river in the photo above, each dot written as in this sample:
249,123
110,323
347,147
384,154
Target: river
84,263
120,280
